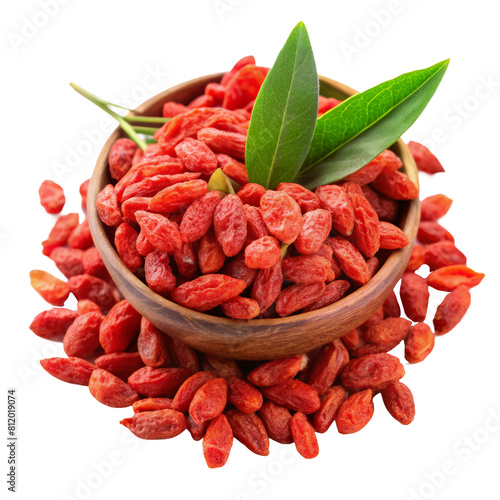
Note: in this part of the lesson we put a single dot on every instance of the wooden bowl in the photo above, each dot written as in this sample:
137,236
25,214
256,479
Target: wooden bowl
256,339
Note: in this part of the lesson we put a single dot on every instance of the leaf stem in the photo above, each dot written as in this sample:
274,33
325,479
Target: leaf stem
146,119
145,130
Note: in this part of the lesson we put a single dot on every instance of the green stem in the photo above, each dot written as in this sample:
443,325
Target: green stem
127,128
146,119
145,130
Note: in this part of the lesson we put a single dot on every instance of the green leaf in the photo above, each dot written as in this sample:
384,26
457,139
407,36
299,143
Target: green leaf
350,135
284,114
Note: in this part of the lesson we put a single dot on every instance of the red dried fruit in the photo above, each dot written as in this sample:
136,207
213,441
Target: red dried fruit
52,324
391,237
50,288
244,86
296,297
442,254
388,333
277,420
158,273
398,400
329,408
236,268
120,157
108,206
222,367
240,308
263,253
158,382
368,173
68,260
414,294
373,371
249,430
59,233
333,292
188,389
160,231
305,269
207,292
85,286
334,199
121,364
256,228
125,243
199,216
93,264
391,306
432,232
171,109
211,255
327,366
152,404
434,207
143,245
223,141
119,327
182,355
356,412
276,371
425,160
304,436
196,156
350,259
51,197
294,395
151,345
84,187
71,370
110,390
395,185
316,228
419,343
209,400
230,224
251,193
451,310
450,277
417,258
366,225
177,196
159,424
243,395
306,199
80,237
386,208
282,215
82,337
233,169
217,442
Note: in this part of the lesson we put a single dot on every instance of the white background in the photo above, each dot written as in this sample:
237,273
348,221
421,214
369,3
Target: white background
69,445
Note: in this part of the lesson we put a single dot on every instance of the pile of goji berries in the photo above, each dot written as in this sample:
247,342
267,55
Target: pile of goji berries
226,253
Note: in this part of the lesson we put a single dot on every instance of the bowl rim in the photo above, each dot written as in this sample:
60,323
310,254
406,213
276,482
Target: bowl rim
98,229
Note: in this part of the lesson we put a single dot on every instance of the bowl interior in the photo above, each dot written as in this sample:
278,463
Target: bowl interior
256,339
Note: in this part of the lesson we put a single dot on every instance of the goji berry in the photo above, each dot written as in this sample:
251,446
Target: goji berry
333,292
188,389
52,197
240,308
152,404
217,442
85,286
417,258
396,185
277,420
294,395
398,400
178,196
304,436
298,296
350,259
334,199
425,160
160,231
263,253
158,273
249,430
316,228
71,370
432,232
68,260
199,216
159,424
108,206
449,277
356,411
211,256
391,237
196,156
251,193
120,157
230,224
366,225
209,400
50,288
419,343
451,310
243,395
151,345
158,382
125,243
414,294
82,337
329,408
53,324
121,364
59,233
223,141
110,390
442,254
222,367
434,207
306,199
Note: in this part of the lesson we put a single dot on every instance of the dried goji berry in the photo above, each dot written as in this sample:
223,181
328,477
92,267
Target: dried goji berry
414,294
305,269
306,199
425,160
52,324
85,286
196,156
329,408
211,256
143,245
68,260
294,395
152,404
391,237
158,382
217,442
71,370
236,268
276,371
396,185
388,333
241,308
199,216
244,86
159,424
230,224
243,395
374,371
178,196
151,345
223,141
119,327
82,337
51,197
366,225
334,199
110,390
256,227
391,306
93,264
80,237
158,273
188,389
304,436
451,310
419,343
84,188
356,411
160,231
316,228
442,254
50,288
333,292
449,277
431,232
434,207
233,169
368,173
277,420
125,243
121,364
209,400
350,259
208,291
108,206
222,367
182,355
249,430
263,253
417,258
398,400
120,157
251,193
297,296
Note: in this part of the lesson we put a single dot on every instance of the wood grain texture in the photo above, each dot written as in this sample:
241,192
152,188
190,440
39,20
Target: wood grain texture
254,339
